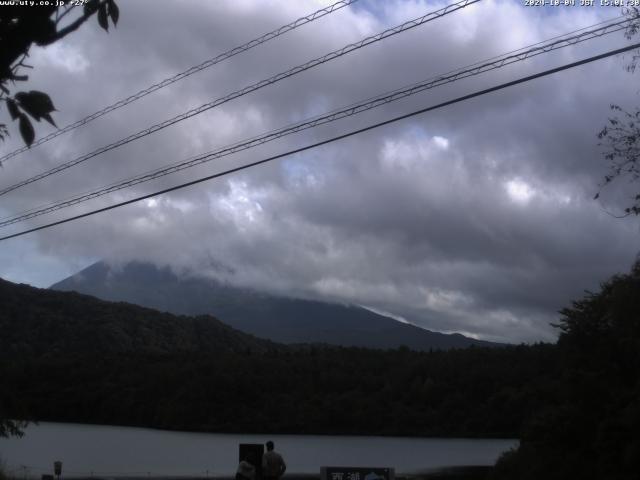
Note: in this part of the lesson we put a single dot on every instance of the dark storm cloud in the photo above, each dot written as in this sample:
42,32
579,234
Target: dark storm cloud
477,218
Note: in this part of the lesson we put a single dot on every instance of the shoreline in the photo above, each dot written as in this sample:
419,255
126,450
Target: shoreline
470,472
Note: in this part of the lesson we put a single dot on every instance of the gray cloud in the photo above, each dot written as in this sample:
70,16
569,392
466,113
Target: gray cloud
476,218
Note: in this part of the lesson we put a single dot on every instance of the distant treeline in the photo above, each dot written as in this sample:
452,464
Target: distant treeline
477,392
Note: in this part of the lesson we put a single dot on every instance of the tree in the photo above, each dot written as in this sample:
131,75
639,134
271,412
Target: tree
588,428
11,428
10,406
21,26
609,315
621,136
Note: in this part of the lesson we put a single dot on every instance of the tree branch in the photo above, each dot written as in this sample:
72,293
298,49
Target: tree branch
67,10
72,27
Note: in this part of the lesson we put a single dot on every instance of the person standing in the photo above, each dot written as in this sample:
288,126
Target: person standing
273,466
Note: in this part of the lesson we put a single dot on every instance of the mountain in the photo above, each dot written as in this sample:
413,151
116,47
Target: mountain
38,322
277,318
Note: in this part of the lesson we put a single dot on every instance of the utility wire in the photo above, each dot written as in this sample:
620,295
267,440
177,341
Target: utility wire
354,109
564,35
251,88
190,71
334,139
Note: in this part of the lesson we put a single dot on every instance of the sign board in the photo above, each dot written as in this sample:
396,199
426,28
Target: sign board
356,473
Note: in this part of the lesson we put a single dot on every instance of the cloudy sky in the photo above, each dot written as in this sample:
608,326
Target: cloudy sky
476,218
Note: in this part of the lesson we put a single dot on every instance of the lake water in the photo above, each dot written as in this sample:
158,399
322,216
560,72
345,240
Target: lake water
123,451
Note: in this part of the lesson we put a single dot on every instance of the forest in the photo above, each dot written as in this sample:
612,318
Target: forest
469,393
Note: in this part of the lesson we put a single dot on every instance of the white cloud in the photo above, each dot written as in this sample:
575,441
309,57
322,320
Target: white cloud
441,142
520,191
384,313
62,56
446,300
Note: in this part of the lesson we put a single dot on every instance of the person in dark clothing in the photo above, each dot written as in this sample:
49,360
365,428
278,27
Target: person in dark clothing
273,466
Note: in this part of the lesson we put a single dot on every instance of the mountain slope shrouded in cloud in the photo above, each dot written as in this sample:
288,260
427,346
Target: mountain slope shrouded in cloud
276,318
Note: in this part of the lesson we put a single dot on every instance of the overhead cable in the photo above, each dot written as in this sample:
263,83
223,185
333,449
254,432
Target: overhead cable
332,139
190,71
251,88
354,109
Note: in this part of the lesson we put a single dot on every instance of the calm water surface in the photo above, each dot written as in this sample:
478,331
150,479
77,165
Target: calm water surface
114,451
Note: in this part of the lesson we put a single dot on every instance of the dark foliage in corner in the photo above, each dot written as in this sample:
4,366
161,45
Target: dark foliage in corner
620,137
589,427
9,427
21,26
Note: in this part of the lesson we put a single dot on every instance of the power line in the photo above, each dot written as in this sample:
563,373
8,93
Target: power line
333,139
354,109
251,88
190,71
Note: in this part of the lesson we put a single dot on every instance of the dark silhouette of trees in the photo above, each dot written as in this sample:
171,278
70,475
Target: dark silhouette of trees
475,392
588,427
11,428
21,26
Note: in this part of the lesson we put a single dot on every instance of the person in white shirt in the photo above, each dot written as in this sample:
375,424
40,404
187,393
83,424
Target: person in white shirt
273,466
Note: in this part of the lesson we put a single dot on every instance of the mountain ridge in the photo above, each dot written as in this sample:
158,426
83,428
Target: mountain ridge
277,318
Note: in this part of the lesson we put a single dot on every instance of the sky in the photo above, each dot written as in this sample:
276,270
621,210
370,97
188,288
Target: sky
476,218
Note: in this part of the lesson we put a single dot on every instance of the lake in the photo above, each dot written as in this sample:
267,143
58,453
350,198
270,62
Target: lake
125,451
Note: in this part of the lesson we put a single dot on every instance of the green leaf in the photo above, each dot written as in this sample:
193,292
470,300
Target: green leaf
45,33
35,103
90,7
48,118
102,17
114,11
26,130
12,106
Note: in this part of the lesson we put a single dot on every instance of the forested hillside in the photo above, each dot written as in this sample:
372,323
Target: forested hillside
37,322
